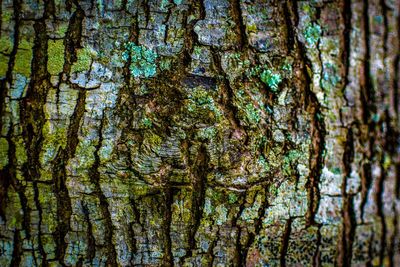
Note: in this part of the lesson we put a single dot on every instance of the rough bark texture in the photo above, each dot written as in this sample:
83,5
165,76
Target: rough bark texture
199,133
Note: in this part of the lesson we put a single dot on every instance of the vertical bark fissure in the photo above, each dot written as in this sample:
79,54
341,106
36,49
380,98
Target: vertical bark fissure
154,227
290,35
33,117
64,209
346,13
167,198
7,175
64,206
367,92
239,257
316,259
191,37
236,12
133,241
199,174
285,241
91,243
257,229
72,40
318,130
94,176
345,245
227,91
17,249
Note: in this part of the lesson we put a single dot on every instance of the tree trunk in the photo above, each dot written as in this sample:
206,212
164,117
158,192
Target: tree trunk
199,133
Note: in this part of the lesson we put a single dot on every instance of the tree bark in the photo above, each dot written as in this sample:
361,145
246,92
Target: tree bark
199,133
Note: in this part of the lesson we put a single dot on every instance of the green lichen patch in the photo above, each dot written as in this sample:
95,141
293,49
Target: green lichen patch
289,161
20,150
249,107
3,65
142,60
23,58
85,56
6,16
222,214
54,137
262,162
252,113
330,78
5,44
55,52
62,29
207,133
201,102
3,152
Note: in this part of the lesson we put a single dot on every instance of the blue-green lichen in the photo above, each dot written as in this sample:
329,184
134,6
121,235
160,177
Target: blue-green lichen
142,60
147,122
330,77
271,79
312,33
252,113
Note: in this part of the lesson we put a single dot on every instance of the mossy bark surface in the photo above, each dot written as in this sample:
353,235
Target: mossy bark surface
199,133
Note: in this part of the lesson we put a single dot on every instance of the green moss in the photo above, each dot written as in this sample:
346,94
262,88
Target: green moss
152,142
387,162
84,61
271,79
251,213
55,52
142,60
139,190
